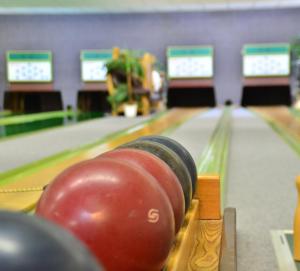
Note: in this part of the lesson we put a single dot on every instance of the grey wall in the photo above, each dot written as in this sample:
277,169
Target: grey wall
66,35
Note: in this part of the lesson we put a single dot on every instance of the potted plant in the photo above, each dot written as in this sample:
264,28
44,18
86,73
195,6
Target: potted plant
126,74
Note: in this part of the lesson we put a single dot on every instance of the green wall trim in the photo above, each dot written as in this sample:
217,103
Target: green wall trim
5,113
14,136
35,117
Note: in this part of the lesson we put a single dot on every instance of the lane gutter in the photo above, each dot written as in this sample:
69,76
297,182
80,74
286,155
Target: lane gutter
284,122
214,159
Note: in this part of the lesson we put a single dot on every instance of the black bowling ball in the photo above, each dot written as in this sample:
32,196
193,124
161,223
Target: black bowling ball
31,243
181,151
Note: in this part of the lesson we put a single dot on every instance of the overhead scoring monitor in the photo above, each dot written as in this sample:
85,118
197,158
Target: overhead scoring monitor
29,66
266,60
93,65
190,62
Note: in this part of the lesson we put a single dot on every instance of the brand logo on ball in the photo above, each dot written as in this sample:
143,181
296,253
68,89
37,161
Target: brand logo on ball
153,216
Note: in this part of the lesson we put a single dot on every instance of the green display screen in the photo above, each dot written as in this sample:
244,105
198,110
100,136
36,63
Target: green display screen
29,66
93,67
266,60
187,62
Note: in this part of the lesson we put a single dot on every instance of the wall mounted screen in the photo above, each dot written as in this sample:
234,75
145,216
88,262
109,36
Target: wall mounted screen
269,60
190,62
93,65
29,66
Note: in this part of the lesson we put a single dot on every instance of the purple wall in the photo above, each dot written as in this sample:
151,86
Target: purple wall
66,35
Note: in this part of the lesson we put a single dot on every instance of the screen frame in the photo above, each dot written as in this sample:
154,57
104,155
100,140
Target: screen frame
29,52
83,59
267,47
201,47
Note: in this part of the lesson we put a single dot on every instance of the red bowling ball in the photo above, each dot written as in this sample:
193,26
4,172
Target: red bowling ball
160,171
118,210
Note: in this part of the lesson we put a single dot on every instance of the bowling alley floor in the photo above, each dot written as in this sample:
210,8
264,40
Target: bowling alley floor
260,181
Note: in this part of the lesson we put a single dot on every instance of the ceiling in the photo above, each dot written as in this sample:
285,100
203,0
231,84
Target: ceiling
127,6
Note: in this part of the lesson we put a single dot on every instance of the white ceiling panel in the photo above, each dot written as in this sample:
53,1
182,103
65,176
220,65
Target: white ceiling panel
266,4
240,4
127,6
215,6
289,3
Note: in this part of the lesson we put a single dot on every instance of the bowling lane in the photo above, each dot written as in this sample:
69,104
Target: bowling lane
28,148
261,177
33,177
195,133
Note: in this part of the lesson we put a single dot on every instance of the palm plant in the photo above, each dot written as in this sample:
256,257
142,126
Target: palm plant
127,74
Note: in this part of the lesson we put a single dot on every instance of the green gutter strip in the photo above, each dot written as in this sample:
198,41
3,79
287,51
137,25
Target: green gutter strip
282,132
35,117
215,155
291,140
21,172
295,112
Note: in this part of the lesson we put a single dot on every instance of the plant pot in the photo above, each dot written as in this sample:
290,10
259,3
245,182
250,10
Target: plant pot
130,110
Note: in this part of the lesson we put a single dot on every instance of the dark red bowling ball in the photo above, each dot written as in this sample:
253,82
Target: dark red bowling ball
171,159
160,171
119,211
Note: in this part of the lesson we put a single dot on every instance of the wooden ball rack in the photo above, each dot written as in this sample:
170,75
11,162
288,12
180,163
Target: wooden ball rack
207,239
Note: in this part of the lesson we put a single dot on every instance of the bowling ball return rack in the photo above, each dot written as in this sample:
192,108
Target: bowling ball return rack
207,239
